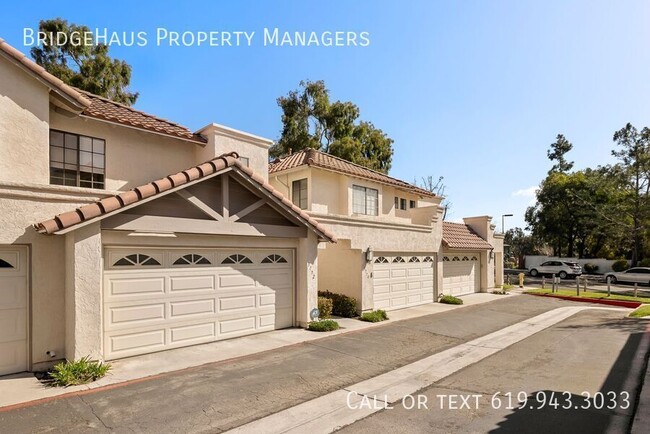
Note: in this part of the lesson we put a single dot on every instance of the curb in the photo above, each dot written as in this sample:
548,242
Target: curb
618,303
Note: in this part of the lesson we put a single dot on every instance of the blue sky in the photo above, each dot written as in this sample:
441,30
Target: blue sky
474,91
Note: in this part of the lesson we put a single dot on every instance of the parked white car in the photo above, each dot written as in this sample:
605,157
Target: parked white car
633,275
562,269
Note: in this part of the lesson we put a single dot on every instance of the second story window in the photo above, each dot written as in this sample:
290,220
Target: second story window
365,200
77,161
413,204
299,193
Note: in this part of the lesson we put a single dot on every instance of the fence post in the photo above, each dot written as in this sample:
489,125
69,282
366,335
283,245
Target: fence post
584,283
636,288
578,286
543,282
553,283
609,285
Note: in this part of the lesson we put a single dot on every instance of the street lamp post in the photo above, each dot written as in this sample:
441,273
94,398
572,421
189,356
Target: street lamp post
503,222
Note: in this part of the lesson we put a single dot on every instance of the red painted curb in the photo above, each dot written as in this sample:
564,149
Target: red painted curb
619,303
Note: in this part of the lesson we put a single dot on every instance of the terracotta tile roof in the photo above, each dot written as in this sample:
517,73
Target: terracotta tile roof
113,204
105,109
101,108
40,72
461,236
314,158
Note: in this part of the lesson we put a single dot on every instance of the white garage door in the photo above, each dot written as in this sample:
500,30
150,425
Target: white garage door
402,280
460,273
13,310
160,299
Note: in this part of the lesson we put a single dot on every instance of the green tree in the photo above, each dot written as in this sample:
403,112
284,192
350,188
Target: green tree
311,120
634,174
519,245
557,153
84,65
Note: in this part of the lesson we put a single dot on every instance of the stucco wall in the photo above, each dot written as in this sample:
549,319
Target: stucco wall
341,270
21,207
24,133
222,140
133,157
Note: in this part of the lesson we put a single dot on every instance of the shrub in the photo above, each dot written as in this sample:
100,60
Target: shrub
620,265
450,299
342,305
78,372
374,316
324,325
590,268
507,286
497,292
645,262
325,307
509,265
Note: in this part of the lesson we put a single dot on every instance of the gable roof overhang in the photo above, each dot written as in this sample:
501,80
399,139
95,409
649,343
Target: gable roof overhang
459,236
61,93
110,206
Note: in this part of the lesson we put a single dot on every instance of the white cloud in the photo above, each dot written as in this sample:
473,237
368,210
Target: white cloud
526,192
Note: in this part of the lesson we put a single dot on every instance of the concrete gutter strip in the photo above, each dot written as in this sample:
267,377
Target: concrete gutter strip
641,420
336,410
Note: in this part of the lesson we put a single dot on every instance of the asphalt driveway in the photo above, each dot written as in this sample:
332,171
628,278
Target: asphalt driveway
220,396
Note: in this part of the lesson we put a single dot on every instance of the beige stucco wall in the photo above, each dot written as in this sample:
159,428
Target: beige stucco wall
491,268
24,133
83,289
222,140
21,207
133,157
341,270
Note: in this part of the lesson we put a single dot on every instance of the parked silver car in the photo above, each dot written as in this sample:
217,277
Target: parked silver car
563,269
633,275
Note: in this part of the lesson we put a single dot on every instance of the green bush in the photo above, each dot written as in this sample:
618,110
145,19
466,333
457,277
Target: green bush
450,299
590,268
325,307
509,265
324,325
374,316
645,262
507,286
342,305
78,372
620,265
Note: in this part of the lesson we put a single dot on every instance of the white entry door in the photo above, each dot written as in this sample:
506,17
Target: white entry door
157,299
460,273
13,309
402,280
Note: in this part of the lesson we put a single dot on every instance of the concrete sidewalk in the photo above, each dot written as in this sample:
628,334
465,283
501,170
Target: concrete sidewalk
21,388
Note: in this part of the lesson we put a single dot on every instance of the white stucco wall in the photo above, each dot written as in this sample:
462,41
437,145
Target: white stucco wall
24,133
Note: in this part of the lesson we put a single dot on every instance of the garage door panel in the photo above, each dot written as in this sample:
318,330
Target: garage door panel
137,314
191,308
13,292
398,272
192,333
269,299
13,309
191,283
13,357
136,286
237,325
228,281
381,273
460,276
138,341
238,302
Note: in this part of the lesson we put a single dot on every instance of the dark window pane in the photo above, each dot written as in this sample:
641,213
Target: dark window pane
123,262
98,177
85,143
86,184
71,141
85,176
56,181
56,138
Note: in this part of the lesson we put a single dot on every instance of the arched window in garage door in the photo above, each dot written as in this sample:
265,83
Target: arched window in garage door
136,259
237,259
192,259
